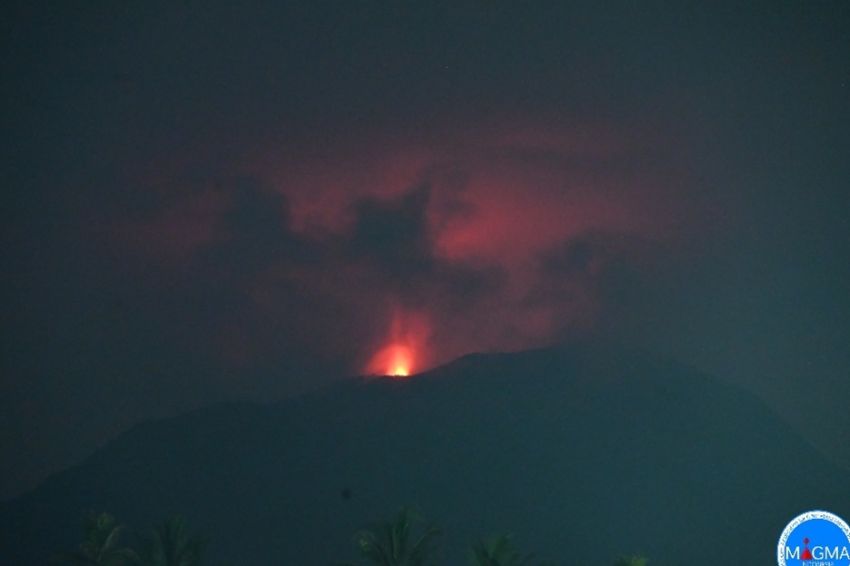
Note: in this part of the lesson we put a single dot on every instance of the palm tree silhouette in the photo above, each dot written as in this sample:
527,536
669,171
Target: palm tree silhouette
171,545
631,561
497,551
101,545
399,542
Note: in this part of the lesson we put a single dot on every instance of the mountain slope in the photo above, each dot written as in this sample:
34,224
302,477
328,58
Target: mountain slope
583,453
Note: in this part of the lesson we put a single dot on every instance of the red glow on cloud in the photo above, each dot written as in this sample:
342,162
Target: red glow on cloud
502,201
498,193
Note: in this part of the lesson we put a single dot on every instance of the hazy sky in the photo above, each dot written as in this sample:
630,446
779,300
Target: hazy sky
208,201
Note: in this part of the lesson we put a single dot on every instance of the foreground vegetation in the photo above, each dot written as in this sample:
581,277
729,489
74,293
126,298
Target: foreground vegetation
168,544
406,540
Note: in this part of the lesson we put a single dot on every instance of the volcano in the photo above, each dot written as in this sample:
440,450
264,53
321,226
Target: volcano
583,452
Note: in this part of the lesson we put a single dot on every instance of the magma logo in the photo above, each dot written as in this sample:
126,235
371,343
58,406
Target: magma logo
816,538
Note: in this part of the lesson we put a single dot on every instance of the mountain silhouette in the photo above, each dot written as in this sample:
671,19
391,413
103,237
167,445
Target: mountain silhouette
582,452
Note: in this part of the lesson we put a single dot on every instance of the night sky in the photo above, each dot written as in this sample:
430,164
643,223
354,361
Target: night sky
208,202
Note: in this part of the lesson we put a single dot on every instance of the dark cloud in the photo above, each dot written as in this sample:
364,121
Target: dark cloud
574,256
395,235
251,233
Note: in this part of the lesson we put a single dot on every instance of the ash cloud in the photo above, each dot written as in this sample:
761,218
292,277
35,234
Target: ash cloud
486,239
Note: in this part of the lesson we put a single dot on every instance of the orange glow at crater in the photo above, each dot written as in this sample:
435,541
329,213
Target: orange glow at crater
402,356
400,361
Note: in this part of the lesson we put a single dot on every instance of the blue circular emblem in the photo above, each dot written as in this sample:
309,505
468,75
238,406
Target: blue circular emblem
816,538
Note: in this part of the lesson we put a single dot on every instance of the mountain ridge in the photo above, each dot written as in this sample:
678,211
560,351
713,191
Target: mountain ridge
583,447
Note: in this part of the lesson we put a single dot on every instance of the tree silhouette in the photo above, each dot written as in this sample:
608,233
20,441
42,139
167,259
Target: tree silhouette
497,551
101,545
171,545
631,561
403,541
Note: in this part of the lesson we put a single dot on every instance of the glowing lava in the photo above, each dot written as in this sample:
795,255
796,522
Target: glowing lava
395,360
401,358
405,349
